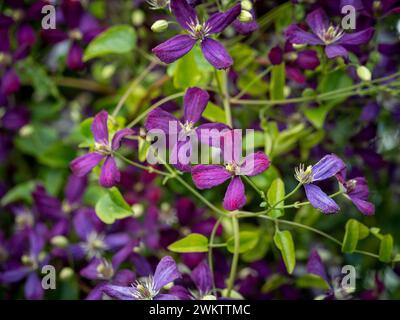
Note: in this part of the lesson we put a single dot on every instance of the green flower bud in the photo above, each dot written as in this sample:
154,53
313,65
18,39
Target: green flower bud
245,16
364,73
138,17
159,26
66,273
59,241
246,5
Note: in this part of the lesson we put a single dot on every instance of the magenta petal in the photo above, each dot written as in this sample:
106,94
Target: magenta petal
208,176
161,119
254,164
83,165
174,48
327,167
216,54
333,51
119,135
320,199
10,83
181,155
365,207
235,197
357,38
109,175
307,59
318,21
184,13
194,103
211,133
218,22
75,57
296,35
100,128
166,272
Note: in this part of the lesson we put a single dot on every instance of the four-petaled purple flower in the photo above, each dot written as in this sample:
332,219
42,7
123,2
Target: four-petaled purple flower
195,101
110,174
234,166
357,191
323,33
150,287
213,51
327,167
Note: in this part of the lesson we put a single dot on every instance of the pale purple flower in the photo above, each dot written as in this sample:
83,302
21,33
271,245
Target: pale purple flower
357,191
213,51
148,288
323,33
234,166
195,101
327,167
110,174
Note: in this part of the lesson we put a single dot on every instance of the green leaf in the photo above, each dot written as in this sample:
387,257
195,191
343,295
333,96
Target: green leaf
274,282
115,40
111,206
259,251
248,240
351,236
21,192
186,73
275,193
242,55
58,155
334,81
386,248
318,115
86,133
214,113
194,242
36,140
284,242
312,281
253,85
277,85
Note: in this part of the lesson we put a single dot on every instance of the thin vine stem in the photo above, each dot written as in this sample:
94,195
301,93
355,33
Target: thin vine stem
235,259
210,252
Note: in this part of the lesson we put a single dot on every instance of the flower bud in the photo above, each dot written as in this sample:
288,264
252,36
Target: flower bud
66,273
159,26
245,16
364,73
59,241
246,5
138,210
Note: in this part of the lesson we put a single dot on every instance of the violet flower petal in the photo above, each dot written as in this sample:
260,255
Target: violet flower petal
118,136
216,54
174,48
333,51
296,35
90,271
165,297
235,197
166,272
254,164
109,175
219,21
315,265
194,103
14,275
365,207
75,57
318,21
327,167
357,38
202,278
81,166
320,199
100,128
208,176
33,287
119,292
184,13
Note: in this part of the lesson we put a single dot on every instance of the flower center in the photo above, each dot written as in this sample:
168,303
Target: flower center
232,168
198,30
187,127
5,59
94,245
75,34
331,35
157,4
144,289
103,149
351,185
30,261
105,269
23,220
302,175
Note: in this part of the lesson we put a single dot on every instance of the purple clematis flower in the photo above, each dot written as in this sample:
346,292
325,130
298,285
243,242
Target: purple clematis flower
195,101
213,51
149,288
110,174
327,167
357,191
332,37
209,176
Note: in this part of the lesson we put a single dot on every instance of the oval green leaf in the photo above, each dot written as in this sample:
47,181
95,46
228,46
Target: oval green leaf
194,242
284,242
248,240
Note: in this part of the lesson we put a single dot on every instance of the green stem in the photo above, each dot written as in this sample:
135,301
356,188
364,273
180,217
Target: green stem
143,167
210,253
154,106
223,90
235,259
254,80
254,186
133,85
